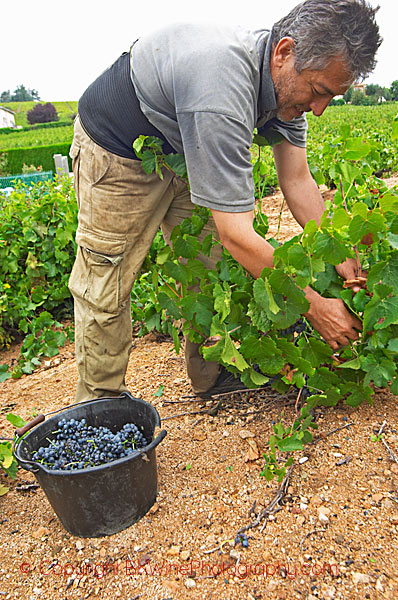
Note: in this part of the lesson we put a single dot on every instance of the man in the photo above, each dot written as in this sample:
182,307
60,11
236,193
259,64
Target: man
203,90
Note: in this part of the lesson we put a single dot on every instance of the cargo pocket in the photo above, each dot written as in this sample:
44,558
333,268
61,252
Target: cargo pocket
74,153
95,279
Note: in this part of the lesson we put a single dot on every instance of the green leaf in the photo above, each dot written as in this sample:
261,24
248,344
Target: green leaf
385,271
176,162
356,148
177,271
393,345
222,301
4,373
290,444
231,355
366,222
176,339
382,310
3,490
187,246
169,304
149,162
138,144
381,370
159,392
15,420
330,247
315,351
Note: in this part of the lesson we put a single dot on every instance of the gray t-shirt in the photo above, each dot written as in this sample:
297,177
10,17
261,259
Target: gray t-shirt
206,88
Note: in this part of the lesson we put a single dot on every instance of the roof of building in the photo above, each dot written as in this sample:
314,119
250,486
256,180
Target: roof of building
7,109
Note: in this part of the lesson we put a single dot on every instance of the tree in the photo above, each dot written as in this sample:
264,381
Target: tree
42,113
348,95
373,89
358,98
394,90
337,102
20,94
5,96
386,93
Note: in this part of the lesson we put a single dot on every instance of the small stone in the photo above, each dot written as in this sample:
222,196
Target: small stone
337,454
322,518
330,593
379,586
79,545
154,509
184,555
394,468
234,554
303,506
394,519
339,539
244,434
300,520
387,503
377,497
190,583
40,532
324,510
303,459
171,585
316,500
360,577
174,550
199,436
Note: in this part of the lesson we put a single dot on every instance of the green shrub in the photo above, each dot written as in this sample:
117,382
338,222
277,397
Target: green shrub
37,250
40,155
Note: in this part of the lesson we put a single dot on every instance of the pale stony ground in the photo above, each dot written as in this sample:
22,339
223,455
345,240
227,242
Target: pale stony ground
335,536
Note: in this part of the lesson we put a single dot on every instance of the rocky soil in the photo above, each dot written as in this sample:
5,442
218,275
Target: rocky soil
334,535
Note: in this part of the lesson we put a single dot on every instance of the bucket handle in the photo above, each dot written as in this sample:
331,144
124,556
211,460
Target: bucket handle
29,465
154,442
22,430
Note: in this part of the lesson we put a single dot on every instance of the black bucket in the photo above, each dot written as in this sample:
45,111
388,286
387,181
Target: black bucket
101,500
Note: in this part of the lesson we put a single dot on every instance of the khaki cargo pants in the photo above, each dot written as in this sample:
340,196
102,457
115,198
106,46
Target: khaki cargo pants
120,210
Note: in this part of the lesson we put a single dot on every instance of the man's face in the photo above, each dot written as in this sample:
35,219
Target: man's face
297,93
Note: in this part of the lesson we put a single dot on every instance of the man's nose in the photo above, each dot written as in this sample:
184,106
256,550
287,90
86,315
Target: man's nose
318,105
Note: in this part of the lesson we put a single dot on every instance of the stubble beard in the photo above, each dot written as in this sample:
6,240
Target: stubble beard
284,88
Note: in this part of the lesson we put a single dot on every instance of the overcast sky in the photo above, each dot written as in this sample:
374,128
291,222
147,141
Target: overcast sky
58,47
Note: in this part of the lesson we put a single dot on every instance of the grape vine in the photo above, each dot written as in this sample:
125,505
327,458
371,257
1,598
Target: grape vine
249,325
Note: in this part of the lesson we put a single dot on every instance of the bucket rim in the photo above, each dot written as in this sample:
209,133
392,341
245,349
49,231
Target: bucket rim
35,467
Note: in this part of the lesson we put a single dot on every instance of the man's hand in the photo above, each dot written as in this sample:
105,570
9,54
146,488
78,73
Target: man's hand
332,320
349,271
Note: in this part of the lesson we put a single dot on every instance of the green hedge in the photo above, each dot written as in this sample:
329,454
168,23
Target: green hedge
41,155
49,125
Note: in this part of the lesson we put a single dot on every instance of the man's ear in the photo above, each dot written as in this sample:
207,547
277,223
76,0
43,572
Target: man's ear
283,51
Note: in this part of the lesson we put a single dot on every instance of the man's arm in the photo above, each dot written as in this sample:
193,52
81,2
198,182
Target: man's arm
328,315
295,180
303,196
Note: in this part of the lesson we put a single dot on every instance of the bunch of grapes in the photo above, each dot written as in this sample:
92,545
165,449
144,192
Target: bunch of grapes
297,327
241,538
77,445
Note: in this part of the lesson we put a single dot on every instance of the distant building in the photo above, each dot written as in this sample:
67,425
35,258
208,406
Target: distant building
7,118
359,87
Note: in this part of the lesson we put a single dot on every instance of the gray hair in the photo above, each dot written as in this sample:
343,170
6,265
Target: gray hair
326,29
